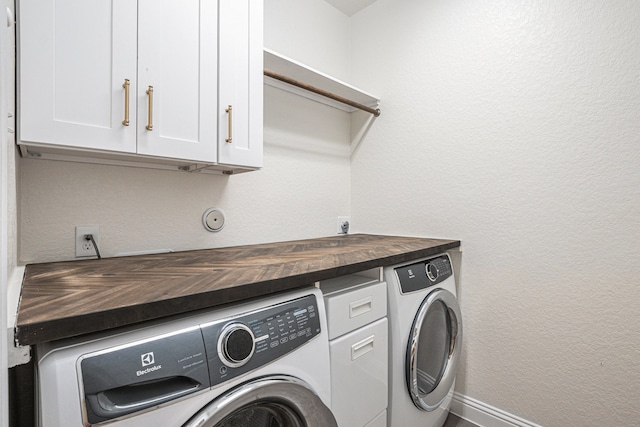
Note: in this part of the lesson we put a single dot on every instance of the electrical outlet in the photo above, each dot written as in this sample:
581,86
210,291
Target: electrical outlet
84,247
343,224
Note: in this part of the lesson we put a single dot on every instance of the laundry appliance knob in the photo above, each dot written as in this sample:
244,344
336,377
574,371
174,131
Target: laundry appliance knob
432,271
236,345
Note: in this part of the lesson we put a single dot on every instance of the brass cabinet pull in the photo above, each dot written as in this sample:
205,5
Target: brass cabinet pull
125,85
230,111
150,123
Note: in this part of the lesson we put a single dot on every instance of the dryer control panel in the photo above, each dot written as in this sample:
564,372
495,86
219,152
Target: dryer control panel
424,274
238,345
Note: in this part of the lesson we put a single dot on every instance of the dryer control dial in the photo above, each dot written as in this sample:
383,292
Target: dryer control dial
432,271
236,345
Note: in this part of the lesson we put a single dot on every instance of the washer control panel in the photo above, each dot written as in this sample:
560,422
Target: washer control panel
122,380
424,274
238,345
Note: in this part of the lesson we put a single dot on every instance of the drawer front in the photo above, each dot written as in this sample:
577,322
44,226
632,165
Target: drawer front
359,382
379,421
348,311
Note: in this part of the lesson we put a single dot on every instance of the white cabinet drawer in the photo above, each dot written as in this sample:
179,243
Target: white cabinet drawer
353,308
379,421
359,383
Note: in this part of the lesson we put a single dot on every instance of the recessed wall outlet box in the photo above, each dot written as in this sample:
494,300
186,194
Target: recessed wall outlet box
213,219
84,247
343,224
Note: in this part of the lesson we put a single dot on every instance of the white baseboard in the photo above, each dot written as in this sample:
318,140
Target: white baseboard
485,415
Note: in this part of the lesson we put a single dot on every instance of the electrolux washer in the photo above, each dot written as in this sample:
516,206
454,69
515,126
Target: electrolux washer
425,340
262,363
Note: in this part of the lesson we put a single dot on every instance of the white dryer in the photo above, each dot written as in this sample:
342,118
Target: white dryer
425,339
262,363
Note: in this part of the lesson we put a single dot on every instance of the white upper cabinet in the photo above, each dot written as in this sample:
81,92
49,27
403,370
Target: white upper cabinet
240,133
177,79
142,81
74,57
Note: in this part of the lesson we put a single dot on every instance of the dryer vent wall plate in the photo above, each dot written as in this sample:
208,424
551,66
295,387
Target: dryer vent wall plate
213,219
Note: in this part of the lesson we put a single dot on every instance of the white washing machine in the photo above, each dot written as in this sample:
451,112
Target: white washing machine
425,340
262,363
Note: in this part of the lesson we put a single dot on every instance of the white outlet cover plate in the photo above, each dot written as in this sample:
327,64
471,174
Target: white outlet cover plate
341,219
83,251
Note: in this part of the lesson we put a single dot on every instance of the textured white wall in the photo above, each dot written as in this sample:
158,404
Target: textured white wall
310,31
514,126
299,193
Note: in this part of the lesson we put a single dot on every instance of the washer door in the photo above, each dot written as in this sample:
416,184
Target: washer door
280,401
433,350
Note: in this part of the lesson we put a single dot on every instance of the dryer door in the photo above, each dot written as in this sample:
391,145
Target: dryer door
278,401
433,350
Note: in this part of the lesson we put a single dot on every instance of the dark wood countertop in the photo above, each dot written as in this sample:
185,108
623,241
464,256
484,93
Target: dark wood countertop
65,299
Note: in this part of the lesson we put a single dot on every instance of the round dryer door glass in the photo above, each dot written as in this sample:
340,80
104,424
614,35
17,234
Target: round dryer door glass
432,358
434,349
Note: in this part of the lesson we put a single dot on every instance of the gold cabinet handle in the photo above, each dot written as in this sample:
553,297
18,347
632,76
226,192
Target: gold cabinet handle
150,122
125,85
229,110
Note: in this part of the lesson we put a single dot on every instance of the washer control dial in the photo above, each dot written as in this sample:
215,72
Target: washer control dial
432,271
236,345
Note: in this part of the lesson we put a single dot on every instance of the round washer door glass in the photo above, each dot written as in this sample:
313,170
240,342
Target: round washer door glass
433,350
279,401
262,415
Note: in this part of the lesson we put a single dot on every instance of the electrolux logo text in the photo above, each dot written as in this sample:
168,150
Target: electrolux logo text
148,359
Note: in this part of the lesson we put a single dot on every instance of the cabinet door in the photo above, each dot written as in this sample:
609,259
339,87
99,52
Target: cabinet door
74,56
177,57
359,367
241,82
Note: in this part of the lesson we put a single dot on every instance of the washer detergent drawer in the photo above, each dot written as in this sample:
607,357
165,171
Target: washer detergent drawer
359,375
353,308
144,374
